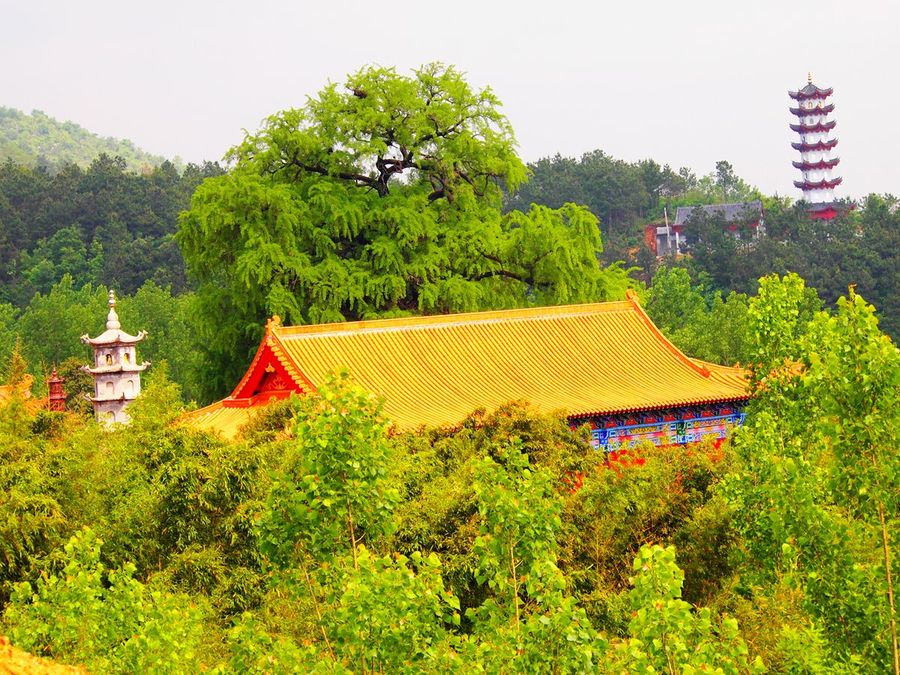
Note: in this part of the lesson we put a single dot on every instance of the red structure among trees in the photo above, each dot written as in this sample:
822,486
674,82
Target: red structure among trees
56,395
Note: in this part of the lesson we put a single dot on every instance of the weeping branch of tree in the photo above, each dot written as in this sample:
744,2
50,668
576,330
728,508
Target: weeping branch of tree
380,196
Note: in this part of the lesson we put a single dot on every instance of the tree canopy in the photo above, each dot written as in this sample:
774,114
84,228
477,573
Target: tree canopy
382,196
860,247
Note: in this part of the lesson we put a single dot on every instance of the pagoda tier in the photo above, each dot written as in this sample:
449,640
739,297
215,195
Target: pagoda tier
811,91
824,206
828,210
102,399
821,164
820,127
821,146
826,213
818,110
113,336
819,185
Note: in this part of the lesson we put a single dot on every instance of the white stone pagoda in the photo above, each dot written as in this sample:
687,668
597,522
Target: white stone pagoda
117,375
815,146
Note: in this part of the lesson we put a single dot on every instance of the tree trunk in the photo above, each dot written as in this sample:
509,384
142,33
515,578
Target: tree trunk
886,549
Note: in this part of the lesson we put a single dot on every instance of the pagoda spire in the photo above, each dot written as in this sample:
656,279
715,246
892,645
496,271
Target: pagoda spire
816,164
112,319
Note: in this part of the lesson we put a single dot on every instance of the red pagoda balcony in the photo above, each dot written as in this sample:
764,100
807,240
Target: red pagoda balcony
821,185
819,110
822,164
821,146
811,91
813,128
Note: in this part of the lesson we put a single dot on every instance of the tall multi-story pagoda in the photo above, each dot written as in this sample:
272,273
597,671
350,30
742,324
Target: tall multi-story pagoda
815,146
117,375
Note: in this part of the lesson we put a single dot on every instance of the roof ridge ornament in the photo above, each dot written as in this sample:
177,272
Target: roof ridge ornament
809,77
112,319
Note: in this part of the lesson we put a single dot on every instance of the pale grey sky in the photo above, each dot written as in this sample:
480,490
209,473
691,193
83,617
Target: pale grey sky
686,83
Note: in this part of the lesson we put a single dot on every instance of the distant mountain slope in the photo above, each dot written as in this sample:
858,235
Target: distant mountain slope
39,139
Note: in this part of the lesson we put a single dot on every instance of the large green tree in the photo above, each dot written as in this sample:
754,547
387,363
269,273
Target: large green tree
815,500
379,197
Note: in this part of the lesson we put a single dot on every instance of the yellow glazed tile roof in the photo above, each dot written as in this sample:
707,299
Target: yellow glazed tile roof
593,359
218,418
583,359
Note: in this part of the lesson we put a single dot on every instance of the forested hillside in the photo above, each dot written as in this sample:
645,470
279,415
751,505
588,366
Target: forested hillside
39,140
625,195
101,224
861,247
67,237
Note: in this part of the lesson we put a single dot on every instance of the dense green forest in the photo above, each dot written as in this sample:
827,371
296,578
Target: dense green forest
322,541
38,140
101,224
861,247
625,195
319,542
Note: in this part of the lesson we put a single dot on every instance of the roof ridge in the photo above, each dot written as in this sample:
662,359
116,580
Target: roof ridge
545,312
666,342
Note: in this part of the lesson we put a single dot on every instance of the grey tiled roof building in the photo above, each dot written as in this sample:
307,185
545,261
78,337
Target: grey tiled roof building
729,212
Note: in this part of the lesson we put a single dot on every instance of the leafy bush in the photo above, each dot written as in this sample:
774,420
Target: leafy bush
104,618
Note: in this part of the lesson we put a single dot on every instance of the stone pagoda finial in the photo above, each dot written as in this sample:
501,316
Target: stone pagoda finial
112,319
